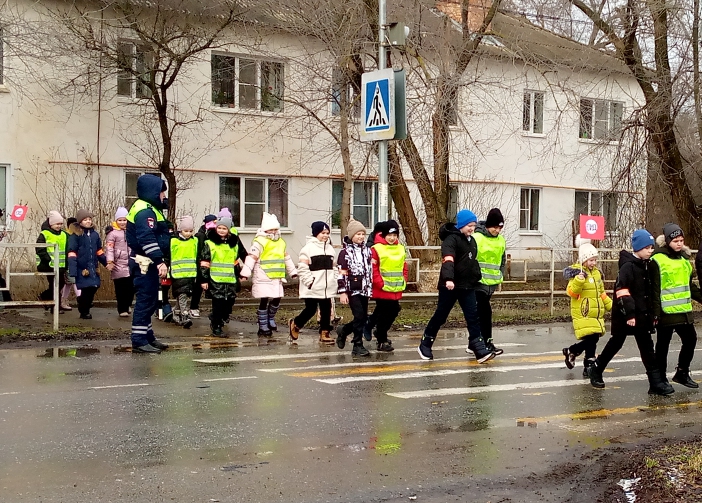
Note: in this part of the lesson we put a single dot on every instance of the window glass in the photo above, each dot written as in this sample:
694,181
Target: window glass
278,199
538,113
595,203
130,185
337,197
229,196
223,80
534,210
3,193
585,118
581,204
143,64
247,83
125,61
526,112
616,113
271,87
601,119
609,209
363,202
524,209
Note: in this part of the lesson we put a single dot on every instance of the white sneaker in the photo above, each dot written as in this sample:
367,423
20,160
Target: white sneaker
194,313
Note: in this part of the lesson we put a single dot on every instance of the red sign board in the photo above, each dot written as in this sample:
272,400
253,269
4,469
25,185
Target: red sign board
18,212
592,227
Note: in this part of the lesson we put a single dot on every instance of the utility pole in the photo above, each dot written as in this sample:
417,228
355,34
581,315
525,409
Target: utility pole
383,189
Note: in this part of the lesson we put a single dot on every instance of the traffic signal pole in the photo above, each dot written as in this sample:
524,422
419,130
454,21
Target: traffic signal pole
383,187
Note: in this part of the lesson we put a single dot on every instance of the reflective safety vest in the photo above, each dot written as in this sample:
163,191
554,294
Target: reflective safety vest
183,258
61,241
675,284
392,265
139,205
490,253
222,261
272,259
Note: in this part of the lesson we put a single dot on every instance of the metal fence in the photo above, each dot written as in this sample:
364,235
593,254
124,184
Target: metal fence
9,274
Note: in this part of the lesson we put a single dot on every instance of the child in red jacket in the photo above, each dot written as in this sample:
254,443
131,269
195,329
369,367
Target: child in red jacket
389,280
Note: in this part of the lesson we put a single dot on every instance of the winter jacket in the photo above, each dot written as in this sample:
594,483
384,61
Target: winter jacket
489,289
317,270
84,254
636,294
262,286
117,251
147,235
44,254
588,300
378,283
355,270
459,255
218,290
670,319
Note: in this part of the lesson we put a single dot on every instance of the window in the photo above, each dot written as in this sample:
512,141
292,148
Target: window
597,203
130,185
533,112
250,197
3,194
339,82
364,197
247,83
600,119
135,63
529,209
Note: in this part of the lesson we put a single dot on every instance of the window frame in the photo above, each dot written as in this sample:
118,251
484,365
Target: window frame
353,98
241,223
529,227
8,196
590,114
260,75
138,52
336,221
529,116
138,172
607,205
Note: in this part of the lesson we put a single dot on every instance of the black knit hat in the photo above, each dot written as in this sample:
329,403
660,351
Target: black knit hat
390,227
494,218
672,231
318,227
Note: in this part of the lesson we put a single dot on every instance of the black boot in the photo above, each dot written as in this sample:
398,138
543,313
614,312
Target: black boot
595,374
657,385
480,350
682,376
587,363
424,348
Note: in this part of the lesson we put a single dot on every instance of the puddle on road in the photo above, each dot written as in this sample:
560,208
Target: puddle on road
69,352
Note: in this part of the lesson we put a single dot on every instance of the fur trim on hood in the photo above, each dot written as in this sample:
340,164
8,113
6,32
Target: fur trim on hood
685,252
78,230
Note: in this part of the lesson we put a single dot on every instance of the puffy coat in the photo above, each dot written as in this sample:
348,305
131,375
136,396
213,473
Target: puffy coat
117,251
263,286
378,292
147,236
84,253
459,254
317,270
355,269
588,300
635,292
219,290
670,319
44,254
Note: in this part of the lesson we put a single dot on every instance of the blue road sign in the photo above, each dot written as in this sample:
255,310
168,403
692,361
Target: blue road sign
378,105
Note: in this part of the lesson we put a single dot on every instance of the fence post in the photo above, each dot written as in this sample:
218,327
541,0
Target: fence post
57,294
553,277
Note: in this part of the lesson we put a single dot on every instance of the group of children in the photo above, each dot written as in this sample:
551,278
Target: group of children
653,292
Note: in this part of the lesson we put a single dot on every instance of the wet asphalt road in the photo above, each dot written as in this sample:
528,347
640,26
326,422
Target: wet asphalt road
241,421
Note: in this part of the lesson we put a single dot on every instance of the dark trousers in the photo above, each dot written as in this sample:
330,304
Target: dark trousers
197,294
482,299
587,344
221,310
146,287
447,299
124,292
311,309
359,309
615,343
688,337
267,302
48,294
85,301
384,314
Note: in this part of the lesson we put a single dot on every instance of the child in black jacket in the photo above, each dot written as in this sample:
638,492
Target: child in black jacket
636,292
459,276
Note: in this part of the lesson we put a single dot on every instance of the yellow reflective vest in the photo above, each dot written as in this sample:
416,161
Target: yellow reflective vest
222,261
675,283
183,258
61,240
139,205
391,265
490,253
272,259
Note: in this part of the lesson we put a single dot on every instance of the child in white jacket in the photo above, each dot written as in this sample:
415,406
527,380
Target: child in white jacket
266,264
317,269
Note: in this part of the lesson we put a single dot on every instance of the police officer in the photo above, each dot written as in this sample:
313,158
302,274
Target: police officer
149,242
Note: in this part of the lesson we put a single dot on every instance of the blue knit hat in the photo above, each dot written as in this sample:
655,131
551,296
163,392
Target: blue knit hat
464,218
640,239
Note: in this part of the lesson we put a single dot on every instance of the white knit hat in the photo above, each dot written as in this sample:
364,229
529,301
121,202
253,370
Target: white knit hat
586,252
269,222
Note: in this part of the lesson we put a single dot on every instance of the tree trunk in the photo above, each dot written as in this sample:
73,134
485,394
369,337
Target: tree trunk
346,160
402,200
160,101
696,68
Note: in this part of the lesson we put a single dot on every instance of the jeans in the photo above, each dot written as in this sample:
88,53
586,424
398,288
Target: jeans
311,309
124,292
688,337
385,313
447,299
359,309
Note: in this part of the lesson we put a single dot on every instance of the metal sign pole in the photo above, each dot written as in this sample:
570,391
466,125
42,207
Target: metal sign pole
383,190
57,274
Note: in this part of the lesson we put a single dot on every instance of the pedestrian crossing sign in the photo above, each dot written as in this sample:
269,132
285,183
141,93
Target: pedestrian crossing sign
378,105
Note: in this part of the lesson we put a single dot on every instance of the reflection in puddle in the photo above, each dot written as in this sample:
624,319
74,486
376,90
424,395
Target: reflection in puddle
69,352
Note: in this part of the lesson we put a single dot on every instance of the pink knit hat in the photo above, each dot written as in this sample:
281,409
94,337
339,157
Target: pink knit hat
55,217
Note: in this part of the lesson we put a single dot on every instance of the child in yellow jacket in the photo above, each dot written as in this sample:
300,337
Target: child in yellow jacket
588,304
